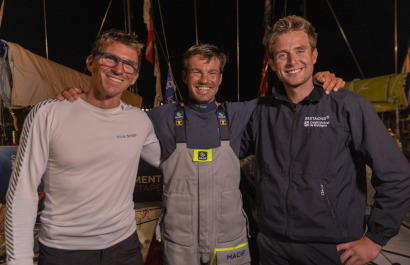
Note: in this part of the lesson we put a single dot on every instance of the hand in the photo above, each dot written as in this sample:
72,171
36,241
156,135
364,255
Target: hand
358,252
330,81
69,94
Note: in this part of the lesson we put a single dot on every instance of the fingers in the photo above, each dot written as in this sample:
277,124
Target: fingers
59,97
69,96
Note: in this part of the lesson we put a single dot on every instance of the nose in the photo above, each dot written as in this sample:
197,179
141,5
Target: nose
204,79
291,58
119,68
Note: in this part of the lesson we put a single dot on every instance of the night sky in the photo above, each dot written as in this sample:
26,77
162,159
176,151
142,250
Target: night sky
73,24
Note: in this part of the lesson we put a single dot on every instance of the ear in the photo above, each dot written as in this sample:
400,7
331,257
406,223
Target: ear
314,56
271,64
89,63
184,77
134,79
220,80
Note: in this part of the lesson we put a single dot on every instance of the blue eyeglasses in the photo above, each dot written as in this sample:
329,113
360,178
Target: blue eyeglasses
111,60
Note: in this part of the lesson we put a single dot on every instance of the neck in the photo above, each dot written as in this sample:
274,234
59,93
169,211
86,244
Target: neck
297,94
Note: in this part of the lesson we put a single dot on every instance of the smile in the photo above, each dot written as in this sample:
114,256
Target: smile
294,71
115,79
203,88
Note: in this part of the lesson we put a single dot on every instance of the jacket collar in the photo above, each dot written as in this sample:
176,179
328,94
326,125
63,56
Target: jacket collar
279,92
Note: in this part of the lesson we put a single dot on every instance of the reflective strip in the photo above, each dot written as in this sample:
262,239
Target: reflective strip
226,249
202,155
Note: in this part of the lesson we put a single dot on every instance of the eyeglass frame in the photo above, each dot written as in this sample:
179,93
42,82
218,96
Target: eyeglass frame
118,60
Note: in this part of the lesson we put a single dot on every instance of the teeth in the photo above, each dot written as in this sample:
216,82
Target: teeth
294,71
114,79
203,88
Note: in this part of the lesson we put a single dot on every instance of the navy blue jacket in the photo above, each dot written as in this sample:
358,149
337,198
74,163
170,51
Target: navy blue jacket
307,156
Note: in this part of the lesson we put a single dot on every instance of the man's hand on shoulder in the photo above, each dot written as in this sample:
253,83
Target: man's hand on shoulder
358,252
330,81
70,94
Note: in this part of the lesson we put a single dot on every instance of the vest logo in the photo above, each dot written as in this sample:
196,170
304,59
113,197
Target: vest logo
202,155
221,115
179,117
235,255
321,122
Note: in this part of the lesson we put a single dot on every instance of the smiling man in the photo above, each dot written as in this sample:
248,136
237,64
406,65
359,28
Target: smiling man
87,155
310,201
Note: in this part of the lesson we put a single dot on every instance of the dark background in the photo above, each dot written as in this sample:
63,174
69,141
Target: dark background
73,24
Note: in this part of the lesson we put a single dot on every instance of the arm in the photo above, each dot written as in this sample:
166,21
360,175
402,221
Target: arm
22,196
329,81
390,179
151,153
69,94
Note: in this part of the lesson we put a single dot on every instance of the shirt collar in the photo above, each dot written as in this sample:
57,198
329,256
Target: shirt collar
202,107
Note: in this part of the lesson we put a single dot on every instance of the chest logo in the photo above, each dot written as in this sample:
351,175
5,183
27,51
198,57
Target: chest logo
202,155
321,122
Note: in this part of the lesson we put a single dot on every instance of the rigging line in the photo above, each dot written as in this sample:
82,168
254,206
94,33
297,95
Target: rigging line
163,30
45,27
105,16
165,53
102,24
196,23
345,38
167,59
237,45
127,12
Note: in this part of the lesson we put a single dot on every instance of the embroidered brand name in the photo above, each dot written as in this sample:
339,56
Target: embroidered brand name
317,121
235,255
126,136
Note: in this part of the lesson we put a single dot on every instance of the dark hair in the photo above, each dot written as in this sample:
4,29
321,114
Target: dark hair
208,51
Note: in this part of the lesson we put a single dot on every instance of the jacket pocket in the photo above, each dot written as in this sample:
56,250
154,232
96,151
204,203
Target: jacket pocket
332,210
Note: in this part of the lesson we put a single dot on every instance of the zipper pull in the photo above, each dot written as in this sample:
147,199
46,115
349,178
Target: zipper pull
322,190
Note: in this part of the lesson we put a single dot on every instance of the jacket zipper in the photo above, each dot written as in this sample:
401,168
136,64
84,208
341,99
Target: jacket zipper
292,133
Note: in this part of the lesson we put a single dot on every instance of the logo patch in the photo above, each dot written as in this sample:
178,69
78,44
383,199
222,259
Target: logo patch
321,122
202,155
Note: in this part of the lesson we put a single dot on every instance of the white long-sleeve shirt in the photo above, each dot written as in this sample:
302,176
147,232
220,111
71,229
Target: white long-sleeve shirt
88,159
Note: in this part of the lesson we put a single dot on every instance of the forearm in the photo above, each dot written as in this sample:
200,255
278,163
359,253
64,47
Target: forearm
151,154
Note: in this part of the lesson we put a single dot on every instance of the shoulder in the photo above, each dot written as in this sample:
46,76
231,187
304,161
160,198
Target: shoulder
240,107
160,112
348,98
47,106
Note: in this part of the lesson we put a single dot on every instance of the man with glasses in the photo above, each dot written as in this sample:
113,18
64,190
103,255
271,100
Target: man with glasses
87,155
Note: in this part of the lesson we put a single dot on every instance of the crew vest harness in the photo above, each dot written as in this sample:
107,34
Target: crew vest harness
203,221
